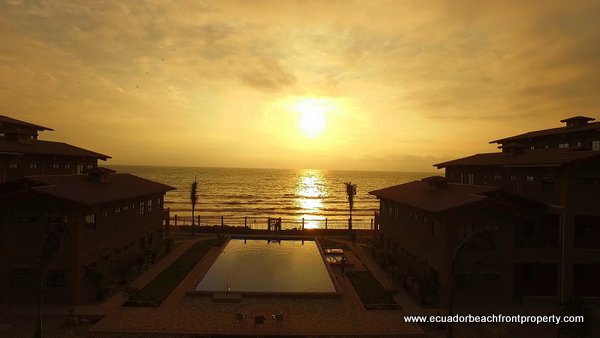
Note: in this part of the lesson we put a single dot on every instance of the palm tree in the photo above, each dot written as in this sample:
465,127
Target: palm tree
350,192
194,200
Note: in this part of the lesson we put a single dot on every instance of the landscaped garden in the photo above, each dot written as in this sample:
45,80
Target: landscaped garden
157,290
371,293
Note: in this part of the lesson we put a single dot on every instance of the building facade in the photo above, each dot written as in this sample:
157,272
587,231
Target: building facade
424,224
23,154
102,224
551,245
108,219
578,132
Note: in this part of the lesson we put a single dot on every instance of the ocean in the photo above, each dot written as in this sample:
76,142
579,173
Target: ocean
250,196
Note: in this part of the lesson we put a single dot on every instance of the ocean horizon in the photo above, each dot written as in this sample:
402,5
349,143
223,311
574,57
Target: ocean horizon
293,194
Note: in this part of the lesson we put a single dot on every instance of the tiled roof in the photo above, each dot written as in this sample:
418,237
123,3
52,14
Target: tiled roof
420,194
47,148
83,190
6,119
551,131
578,118
540,158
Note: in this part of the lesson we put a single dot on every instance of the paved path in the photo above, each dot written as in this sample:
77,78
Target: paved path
401,297
119,298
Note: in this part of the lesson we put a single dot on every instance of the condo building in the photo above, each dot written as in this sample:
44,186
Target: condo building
23,154
538,199
98,221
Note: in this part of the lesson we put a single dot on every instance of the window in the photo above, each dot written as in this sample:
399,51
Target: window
149,205
546,146
55,165
90,166
27,219
90,221
13,166
160,203
563,145
33,165
67,166
497,177
528,273
117,210
104,212
585,180
490,276
513,178
547,184
22,277
528,229
532,148
464,282
471,178
435,228
529,178
579,143
55,278
142,208
596,145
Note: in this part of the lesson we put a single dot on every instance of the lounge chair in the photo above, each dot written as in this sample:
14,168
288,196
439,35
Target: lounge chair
240,318
278,319
259,320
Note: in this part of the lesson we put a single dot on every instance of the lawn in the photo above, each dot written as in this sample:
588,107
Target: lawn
371,293
162,285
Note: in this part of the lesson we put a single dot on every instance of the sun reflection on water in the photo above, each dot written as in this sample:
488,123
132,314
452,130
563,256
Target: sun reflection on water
310,192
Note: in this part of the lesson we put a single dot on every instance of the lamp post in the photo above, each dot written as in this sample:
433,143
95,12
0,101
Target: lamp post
459,247
51,246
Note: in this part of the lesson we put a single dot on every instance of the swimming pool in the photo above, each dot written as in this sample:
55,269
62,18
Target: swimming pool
268,266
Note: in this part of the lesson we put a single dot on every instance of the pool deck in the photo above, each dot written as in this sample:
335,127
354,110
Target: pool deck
182,314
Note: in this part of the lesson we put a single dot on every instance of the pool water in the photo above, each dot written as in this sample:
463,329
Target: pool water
287,266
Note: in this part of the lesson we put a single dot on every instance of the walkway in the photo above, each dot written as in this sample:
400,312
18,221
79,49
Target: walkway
401,297
119,298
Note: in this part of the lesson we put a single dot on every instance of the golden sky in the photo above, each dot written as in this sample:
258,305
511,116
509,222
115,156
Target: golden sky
380,85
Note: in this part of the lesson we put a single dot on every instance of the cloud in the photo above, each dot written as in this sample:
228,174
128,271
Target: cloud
267,74
467,67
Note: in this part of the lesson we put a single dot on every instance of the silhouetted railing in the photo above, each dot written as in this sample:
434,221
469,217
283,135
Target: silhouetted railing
270,223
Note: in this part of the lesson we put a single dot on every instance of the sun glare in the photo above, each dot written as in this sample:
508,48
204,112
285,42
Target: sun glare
312,115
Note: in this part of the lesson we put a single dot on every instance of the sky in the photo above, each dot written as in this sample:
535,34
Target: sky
363,85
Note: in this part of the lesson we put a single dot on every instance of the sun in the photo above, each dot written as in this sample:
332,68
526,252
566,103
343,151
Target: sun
312,115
